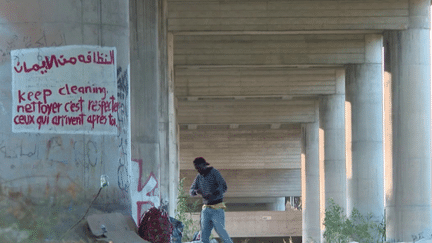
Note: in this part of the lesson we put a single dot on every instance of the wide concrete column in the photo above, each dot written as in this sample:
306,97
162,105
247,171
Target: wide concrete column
408,208
168,132
173,131
311,230
365,157
150,107
332,123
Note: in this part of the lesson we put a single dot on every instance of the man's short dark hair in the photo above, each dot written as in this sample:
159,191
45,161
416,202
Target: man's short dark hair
199,161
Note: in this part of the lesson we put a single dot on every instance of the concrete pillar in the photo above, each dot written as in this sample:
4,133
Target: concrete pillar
173,131
167,116
408,206
310,181
332,122
148,146
59,173
365,158
153,125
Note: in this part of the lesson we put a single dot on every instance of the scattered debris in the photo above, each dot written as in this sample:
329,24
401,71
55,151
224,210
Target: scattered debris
114,227
13,234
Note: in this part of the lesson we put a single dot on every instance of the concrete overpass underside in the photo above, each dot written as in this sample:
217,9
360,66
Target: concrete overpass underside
287,98
315,99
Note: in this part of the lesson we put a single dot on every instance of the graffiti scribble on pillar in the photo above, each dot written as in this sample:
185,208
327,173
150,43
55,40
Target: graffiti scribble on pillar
123,134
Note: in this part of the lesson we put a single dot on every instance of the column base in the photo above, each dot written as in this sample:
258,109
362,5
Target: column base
409,222
418,241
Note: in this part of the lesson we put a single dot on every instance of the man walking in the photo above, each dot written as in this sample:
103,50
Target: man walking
211,185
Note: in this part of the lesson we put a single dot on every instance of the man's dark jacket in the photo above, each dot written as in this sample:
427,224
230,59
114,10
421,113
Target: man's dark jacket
211,185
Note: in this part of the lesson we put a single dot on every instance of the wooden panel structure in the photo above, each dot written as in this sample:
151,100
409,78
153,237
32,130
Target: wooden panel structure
245,111
279,15
242,148
254,81
255,183
262,223
269,49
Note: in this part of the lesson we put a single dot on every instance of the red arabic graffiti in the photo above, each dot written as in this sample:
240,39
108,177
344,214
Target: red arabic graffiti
53,60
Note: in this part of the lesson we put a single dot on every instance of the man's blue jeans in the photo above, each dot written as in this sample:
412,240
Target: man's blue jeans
213,218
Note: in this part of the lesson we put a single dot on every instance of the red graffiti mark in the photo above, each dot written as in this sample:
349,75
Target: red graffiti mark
63,120
151,183
53,60
39,107
66,90
103,106
32,102
24,119
22,95
149,188
74,107
139,209
30,119
96,119
18,70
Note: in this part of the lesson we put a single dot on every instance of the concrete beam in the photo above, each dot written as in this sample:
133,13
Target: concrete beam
192,126
259,111
275,126
292,32
234,126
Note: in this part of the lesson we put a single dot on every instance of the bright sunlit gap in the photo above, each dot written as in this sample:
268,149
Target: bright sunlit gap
322,178
303,176
348,139
348,152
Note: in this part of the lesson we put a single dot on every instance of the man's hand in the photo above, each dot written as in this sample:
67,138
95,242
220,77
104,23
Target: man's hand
196,192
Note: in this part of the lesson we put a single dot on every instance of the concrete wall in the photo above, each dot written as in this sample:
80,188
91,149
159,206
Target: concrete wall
52,170
256,183
246,147
262,223
254,162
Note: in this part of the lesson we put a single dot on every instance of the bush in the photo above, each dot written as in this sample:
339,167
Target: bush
184,213
360,228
